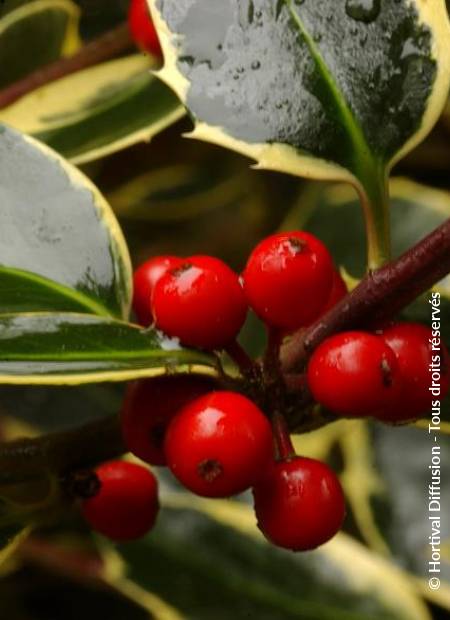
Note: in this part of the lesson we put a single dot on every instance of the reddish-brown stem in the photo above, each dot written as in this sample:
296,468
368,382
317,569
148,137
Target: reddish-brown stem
60,452
103,48
282,440
378,297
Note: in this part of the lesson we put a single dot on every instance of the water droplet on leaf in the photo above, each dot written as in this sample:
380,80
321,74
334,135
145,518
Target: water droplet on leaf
363,10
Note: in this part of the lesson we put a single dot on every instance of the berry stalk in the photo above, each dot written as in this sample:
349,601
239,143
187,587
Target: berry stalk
284,450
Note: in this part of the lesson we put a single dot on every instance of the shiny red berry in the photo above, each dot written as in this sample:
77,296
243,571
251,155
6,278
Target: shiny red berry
299,503
288,279
126,505
218,444
412,345
354,374
144,279
201,302
142,29
149,406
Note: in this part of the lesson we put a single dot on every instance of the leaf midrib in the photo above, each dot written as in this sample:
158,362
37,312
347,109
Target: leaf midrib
349,121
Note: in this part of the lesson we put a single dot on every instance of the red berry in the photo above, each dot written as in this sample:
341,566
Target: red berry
144,279
354,374
142,29
201,302
299,503
149,406
217,445
126,505
412,346
338,291
288,279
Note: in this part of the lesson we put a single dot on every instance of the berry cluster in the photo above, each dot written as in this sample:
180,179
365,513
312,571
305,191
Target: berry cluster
219,443
386,375
289,281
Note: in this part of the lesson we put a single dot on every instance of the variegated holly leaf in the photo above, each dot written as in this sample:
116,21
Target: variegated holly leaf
61,248
97,111
70,349
325,90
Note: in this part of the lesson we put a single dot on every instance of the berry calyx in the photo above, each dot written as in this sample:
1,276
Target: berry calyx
355,374
142,28
299,503
419,366
201,302
149,406
144,279
126,504
288,278
218,444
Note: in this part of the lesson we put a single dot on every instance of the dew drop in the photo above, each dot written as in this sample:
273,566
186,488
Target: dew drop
255,65
363,10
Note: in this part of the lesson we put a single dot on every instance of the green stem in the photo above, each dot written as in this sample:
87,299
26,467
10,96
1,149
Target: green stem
374,197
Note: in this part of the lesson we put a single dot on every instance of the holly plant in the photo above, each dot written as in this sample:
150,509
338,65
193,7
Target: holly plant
281,336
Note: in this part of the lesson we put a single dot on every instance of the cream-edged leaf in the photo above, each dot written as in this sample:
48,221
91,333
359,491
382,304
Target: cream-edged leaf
325,91
97,111
54,223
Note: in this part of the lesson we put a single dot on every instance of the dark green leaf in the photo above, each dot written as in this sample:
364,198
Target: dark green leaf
77,348
54,223
208,570
58,408
23,291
